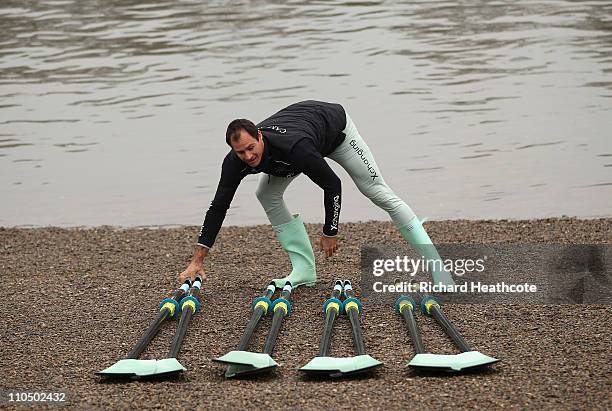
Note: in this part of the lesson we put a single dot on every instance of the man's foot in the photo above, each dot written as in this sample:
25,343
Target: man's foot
294,239
417,237
296,281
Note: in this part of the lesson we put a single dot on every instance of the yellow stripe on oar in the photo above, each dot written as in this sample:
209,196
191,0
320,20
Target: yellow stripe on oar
405,304
191,304
282,305
170,306
351,304
332,305
264,305
431,303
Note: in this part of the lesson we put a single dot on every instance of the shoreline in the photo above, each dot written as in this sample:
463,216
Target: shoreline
567,230
427,220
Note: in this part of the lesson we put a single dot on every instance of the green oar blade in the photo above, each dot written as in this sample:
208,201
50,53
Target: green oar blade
337,367
246,362
130,368
459,362
253,359
168,366
235,370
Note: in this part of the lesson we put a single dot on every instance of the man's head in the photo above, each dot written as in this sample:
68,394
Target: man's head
246,141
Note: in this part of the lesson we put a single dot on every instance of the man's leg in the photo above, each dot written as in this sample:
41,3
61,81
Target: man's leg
355,157
290,231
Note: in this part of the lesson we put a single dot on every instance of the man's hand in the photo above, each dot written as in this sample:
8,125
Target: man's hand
329,245
196,267
192,271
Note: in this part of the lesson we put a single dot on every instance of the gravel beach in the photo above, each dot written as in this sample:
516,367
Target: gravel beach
76,300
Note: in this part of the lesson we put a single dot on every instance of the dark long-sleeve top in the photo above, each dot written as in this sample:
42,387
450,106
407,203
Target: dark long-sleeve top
296,140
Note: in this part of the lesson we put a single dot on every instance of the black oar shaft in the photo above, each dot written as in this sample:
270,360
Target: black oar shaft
325,345
250,328
186,315
277,321
330,318
353,314
449,329
153,329
258,312
180,333
357,336
413,329
149,334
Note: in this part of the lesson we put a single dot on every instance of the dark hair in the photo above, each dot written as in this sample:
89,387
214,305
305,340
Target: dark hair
233,130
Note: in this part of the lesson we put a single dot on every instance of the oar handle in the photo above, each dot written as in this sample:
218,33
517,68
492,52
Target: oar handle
286,292
337,289
350,302
182,290
347,289
270,290
192,299
197,283
282,302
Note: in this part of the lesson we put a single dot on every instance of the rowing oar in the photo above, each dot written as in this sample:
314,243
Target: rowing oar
260,309
353,308
327,366
406,307
190,304
469,359
261,362
331,310
323,364
241,361
424,361
131,367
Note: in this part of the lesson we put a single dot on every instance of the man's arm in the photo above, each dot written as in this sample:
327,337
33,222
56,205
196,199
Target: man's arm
228,184
217,211
310,161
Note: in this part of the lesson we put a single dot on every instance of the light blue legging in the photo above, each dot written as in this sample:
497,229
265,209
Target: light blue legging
355,157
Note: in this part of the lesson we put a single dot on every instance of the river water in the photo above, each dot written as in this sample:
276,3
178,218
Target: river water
114,112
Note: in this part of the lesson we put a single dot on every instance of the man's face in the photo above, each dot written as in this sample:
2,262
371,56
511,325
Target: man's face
248,149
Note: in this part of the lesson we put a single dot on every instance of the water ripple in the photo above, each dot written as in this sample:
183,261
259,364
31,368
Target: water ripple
509,81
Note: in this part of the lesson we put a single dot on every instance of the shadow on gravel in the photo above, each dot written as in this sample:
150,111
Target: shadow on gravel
263,377
449,374
324,378
152,379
